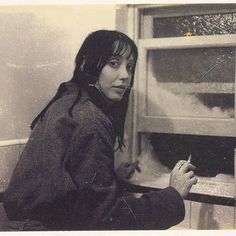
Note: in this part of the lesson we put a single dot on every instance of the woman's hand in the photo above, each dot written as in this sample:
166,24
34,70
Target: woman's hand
182,177
126,170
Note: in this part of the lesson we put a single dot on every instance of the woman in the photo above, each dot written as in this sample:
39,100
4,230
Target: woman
65,179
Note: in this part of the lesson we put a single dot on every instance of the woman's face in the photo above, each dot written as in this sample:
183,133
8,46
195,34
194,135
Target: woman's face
115,77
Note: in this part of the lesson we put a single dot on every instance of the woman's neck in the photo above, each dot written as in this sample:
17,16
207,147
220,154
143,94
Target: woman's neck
98,87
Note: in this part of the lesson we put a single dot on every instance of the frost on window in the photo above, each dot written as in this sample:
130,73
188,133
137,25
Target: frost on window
197,82
191,82
210,24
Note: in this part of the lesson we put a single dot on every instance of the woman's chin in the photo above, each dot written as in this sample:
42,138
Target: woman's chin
116,98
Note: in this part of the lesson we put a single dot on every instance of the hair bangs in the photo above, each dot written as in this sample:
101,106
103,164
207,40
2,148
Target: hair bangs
122,48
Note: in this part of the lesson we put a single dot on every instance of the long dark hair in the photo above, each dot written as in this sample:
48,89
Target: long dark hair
93,55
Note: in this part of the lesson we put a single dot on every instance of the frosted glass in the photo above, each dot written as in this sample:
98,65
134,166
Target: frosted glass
208,24
191,82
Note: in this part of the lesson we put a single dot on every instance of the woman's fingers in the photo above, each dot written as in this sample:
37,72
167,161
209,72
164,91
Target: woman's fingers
194,180
182,177
126,169
187,167
179,164
136,166
189,174
130,175
132,167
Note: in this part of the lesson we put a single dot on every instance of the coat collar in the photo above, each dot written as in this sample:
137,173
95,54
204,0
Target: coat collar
90,93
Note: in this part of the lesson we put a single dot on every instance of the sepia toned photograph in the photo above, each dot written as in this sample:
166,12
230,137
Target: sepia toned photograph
118,117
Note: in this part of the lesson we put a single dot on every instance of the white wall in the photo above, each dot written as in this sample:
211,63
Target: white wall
38,45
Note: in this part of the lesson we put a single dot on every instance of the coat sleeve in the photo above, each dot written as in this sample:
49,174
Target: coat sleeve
101,203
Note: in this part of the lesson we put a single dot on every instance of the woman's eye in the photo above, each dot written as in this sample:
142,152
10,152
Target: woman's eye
130,67
114,63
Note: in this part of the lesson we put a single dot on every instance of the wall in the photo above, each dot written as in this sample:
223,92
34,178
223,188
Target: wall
37,51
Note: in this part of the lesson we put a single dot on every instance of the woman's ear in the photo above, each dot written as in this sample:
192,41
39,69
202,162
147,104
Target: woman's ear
97,85
82,65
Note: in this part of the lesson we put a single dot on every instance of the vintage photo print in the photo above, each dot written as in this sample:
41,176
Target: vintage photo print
117,117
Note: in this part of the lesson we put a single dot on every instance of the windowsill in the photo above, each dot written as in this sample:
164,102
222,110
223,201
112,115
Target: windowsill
220,186
214,190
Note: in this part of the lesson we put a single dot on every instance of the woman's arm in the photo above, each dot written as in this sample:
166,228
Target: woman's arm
66,180
92,169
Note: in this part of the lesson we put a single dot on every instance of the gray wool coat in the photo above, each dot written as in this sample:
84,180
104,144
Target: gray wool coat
65,179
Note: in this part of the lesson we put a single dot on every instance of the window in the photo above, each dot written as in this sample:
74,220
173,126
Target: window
187,77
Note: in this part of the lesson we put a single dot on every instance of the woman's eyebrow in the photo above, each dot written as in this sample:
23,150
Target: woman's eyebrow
131,60
115,57
120,57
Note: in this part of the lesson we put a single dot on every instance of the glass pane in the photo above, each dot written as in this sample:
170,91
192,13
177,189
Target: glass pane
211,24
191,82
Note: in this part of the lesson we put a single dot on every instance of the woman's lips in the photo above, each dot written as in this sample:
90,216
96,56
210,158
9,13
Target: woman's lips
120,89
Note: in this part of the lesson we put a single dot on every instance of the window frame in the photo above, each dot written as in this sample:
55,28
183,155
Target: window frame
181,125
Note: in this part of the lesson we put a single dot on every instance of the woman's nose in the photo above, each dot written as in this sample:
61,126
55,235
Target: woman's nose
124,74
